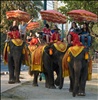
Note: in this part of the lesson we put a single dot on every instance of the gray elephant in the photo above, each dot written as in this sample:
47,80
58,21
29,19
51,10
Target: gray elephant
15,58
51,62
78,69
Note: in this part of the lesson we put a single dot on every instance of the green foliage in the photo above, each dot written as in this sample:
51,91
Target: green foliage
89,5
30,6
33,7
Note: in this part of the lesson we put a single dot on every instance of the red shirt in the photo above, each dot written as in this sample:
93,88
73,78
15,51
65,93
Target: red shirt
34,41
46,31
14,34
55,37
75,39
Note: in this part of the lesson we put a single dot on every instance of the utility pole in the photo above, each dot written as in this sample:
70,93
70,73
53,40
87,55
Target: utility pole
55,5
45,8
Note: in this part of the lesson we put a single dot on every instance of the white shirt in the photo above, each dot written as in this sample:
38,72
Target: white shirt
22,28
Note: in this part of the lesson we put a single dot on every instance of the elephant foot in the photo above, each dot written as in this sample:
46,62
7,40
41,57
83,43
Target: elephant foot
81,94
47,85
52,87
11,81
35,85
70,90
60,87
56,83
18,81
74,94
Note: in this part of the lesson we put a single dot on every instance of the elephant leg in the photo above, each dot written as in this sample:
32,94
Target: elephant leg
49,74
59,80
47,80
51,80
57,83
77,76
83,82
35,80
71,85
11,70
71,78
17,71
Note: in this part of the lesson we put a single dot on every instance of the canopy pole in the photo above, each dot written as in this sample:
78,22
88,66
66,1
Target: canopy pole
45,8
62,35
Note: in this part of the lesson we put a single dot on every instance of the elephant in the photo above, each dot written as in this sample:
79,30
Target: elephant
78,69
51,62
15,58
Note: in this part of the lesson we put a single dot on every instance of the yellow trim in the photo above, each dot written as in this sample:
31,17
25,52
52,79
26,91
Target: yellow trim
68,59
60,46
17,42
65,73
4,51
76,50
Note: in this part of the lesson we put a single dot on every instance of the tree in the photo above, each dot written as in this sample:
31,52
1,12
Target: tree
91,6
33,7
30,6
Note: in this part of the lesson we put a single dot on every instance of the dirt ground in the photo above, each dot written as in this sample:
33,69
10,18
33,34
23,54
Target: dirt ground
27,92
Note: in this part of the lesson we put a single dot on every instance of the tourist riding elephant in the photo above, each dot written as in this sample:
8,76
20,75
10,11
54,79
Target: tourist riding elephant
78,69
52,61
15,57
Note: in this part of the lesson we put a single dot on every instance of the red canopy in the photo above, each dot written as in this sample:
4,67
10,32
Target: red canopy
53,16
32,25
82,15
18,15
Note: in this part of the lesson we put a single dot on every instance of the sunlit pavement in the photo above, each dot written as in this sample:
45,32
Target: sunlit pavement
24,77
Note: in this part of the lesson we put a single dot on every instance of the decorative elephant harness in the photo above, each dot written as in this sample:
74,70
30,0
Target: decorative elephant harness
16,42
75,51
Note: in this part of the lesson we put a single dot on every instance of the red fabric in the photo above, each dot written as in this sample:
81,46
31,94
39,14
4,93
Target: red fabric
18,15
14,34
82,15
46,31
75,39
34,41
53,16
55,36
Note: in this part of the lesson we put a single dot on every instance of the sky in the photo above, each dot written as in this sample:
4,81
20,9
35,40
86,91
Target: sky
50,7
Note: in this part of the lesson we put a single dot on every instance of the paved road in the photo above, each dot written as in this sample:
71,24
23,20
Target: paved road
25,91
